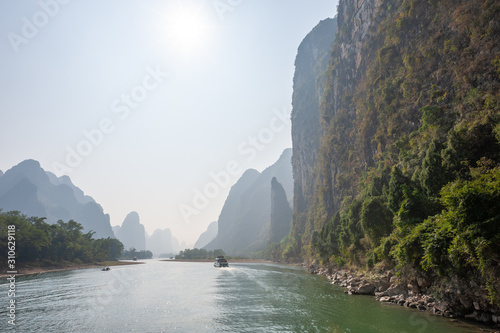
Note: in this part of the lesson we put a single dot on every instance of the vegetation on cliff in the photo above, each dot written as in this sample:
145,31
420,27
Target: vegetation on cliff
408,170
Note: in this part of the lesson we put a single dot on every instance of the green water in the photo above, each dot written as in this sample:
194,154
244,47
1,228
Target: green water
196,297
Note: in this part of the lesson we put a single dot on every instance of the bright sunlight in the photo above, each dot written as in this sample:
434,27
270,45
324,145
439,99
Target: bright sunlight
187,27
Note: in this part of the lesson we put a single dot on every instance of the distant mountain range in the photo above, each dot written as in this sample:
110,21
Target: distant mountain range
162,242
33,191
133,235
244,222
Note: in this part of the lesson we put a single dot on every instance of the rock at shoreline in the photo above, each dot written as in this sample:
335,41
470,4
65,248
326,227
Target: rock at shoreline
366,289
391,289
395,289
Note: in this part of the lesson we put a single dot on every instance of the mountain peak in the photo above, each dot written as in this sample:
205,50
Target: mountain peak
132,233
28,188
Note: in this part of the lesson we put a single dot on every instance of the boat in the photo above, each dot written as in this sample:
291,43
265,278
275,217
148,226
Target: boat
105,269
220,261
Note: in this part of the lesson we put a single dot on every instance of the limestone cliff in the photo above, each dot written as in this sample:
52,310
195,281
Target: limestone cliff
281,213
308,89
409,150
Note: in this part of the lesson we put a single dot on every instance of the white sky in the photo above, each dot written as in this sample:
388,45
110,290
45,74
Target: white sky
151,97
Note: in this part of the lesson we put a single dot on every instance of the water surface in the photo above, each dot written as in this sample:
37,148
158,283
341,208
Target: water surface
196,297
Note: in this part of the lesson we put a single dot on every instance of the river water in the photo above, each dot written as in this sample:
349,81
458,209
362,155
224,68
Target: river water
163,296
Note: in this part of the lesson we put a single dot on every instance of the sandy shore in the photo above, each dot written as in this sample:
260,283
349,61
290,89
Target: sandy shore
58,268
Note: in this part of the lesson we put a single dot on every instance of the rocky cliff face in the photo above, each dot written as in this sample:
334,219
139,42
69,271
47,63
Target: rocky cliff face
308,85
347,67
281,213
410,119
31,190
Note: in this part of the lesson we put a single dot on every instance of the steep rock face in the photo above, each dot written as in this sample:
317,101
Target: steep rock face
207,236
244,220
162,242
31,190
281,213
132,233
411,120
308,90
347,67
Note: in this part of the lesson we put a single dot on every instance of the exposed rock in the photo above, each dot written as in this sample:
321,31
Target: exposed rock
474,316
395,289
366,289
476,306
308,90
486,318
442,307
383,284
405,294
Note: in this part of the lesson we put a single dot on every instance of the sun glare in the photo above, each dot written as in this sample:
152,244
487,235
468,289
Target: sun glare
186,28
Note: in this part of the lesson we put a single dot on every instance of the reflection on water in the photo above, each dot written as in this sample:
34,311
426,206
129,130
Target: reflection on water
196,297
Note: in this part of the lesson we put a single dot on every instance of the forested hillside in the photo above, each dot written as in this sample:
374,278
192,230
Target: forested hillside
407,174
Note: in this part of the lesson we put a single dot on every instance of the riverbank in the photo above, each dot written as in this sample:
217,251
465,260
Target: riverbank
67,267
387,287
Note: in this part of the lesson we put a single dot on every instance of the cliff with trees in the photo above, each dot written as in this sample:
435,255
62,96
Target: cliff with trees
406,174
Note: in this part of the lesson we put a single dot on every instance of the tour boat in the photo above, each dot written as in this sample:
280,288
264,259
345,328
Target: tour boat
220,261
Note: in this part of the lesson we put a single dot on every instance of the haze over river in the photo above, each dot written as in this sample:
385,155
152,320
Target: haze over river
196,297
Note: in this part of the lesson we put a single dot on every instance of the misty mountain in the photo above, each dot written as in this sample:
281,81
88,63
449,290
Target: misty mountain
162,242
29,189
245,216
207,236
115,229
281,213
132,233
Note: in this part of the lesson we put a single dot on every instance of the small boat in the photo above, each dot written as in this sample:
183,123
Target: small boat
135,258
105,269
220,261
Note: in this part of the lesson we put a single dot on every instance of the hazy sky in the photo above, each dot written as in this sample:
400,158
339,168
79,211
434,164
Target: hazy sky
152,106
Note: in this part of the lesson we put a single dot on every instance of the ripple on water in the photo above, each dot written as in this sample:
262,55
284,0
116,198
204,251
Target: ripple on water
196,297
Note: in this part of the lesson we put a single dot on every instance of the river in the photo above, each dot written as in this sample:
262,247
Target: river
163,296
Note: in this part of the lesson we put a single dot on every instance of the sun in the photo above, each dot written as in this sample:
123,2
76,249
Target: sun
186,27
